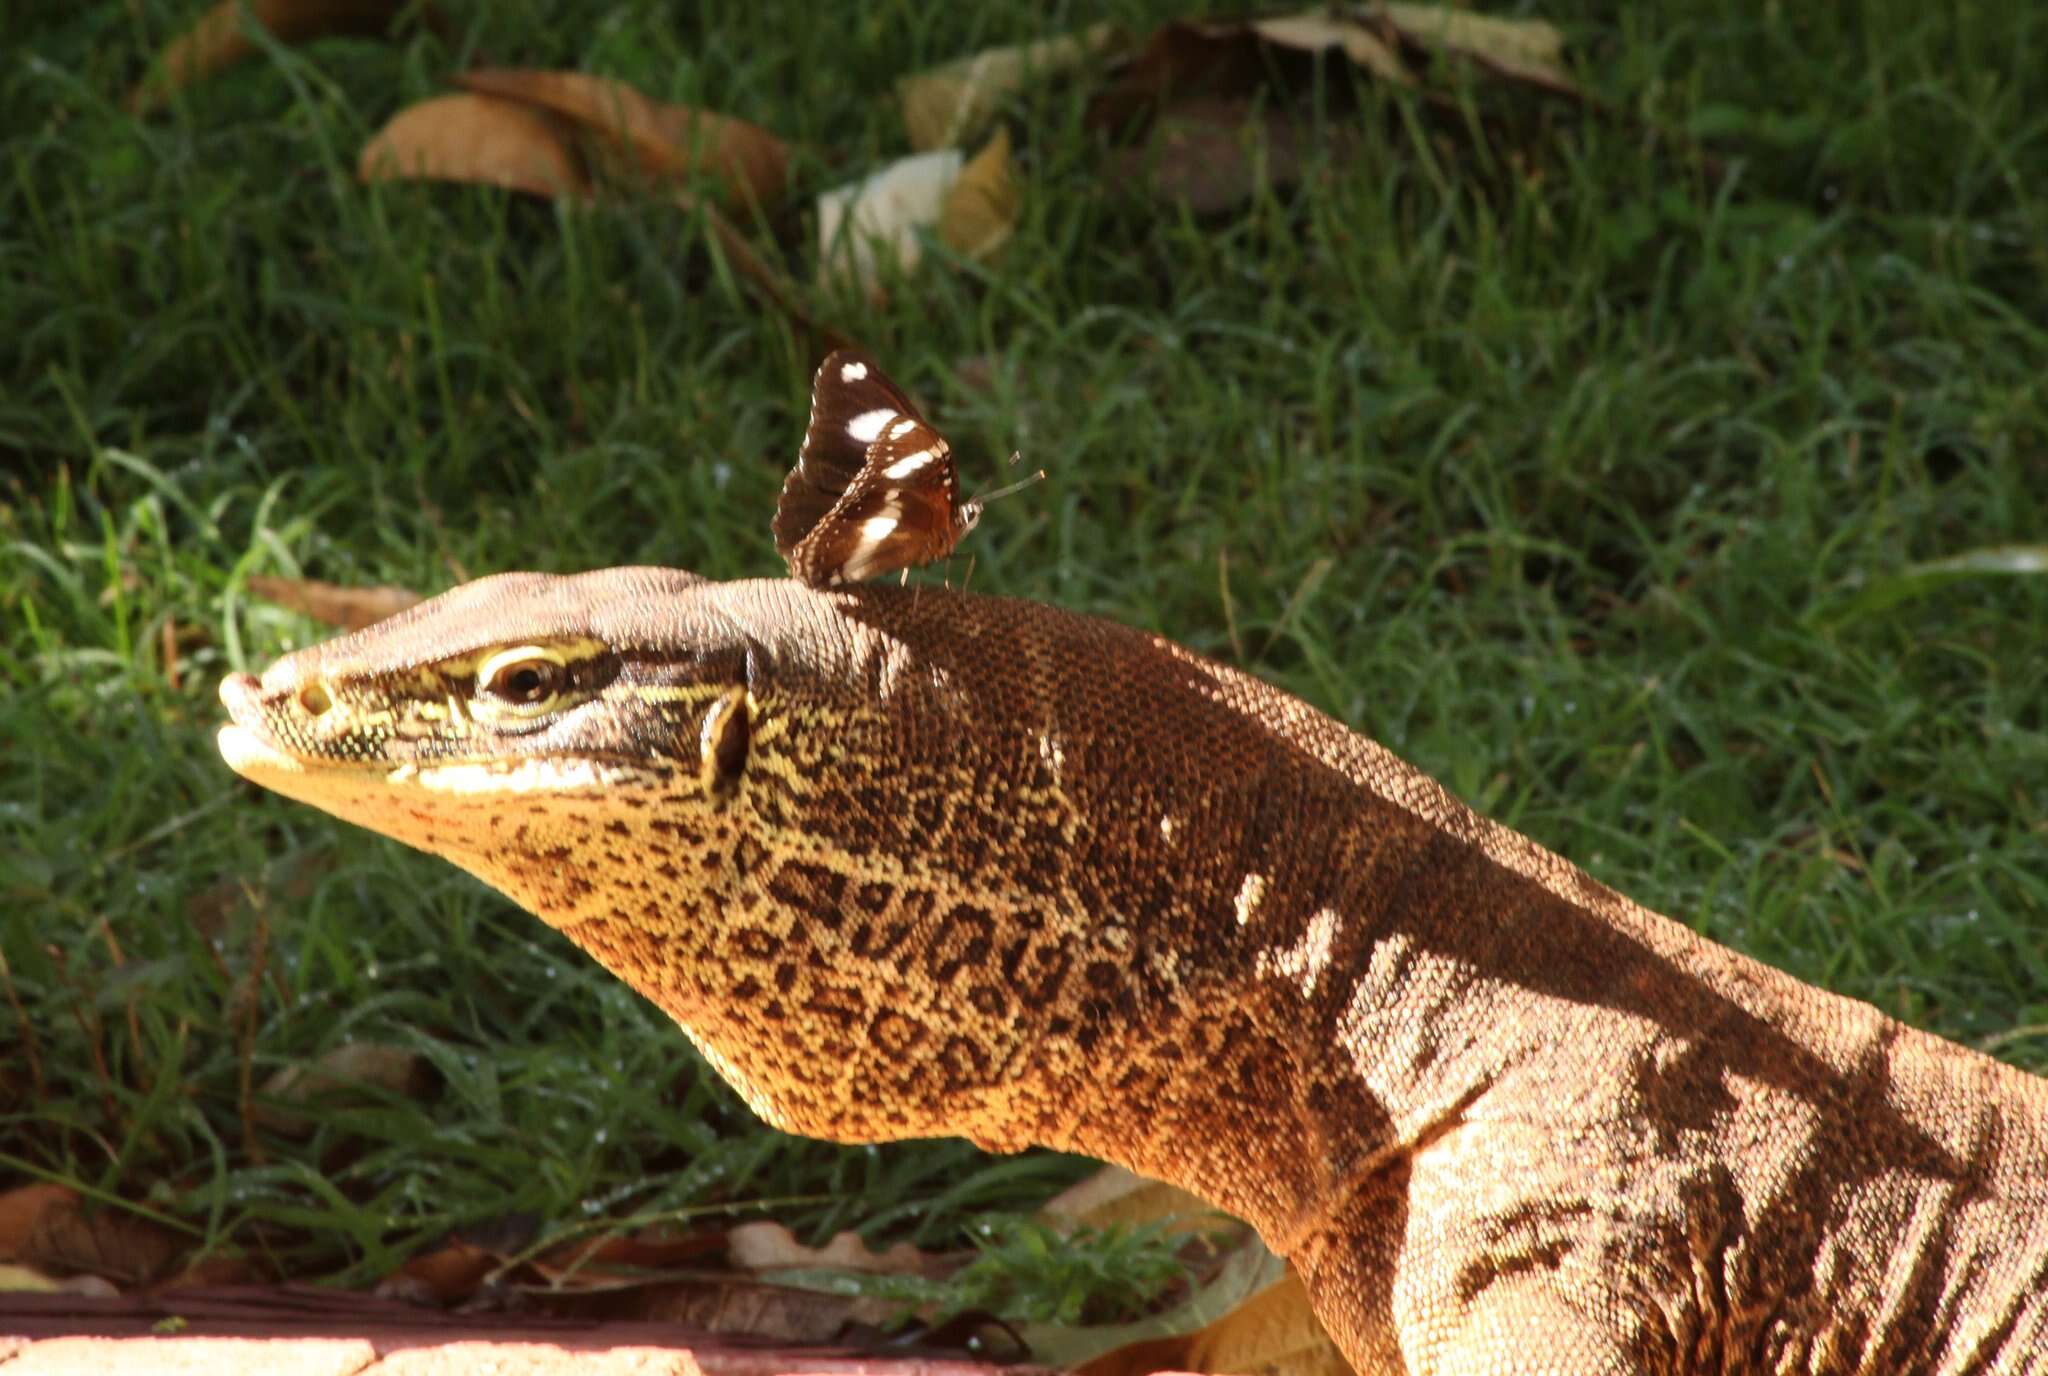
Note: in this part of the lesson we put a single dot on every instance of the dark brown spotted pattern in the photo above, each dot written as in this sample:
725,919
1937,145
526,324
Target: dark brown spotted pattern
905,862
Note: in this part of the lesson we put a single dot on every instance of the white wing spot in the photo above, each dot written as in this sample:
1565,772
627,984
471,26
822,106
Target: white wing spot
852,372
903,426
878,527
909,464
868,424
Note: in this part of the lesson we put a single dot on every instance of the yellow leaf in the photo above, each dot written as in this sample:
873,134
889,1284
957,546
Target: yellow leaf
18,1278
1525,49
1271,1330
1319,29
945,106
980,208
1115,1195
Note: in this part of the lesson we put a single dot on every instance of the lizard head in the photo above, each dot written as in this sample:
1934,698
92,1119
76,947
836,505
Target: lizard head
478,724
738,797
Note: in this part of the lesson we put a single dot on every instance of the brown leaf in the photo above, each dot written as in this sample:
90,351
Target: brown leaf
1187,59
332,603
654,1248
647,1259
21,1207
217,41
447,1275
946,106
219,1268
779,1312
341,1073
768,1246
473,138
107,1241
1214,154
980,208
1181,59
649,138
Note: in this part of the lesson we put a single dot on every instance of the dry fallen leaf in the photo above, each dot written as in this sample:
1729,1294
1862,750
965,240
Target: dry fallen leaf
474,138
627,1258
448,1275
768,1246
980,208
948,105
1270,1329
1314,31
1114,1195
1222,60
217,40
780,1312
19,1278
519,129
879,220
332,603
1250,1315
649,138
105,1241
21,1207
1214,154
1526,50
340,1073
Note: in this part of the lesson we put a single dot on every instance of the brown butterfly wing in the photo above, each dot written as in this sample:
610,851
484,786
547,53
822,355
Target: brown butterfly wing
843,519
852,401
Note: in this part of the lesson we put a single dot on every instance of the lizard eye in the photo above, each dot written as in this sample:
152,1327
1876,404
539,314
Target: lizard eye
527,679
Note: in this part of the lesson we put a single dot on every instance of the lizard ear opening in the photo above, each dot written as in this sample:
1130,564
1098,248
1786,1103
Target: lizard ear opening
722,744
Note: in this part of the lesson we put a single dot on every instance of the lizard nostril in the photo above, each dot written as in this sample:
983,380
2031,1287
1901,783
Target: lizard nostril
314,699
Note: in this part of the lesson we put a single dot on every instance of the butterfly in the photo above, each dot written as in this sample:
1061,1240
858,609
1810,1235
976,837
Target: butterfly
873,490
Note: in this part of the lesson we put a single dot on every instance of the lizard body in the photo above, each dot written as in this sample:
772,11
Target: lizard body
906,862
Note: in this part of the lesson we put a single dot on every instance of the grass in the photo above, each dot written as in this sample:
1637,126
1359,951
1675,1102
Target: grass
1587,469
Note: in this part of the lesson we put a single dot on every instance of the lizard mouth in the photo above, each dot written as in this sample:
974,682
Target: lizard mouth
246,743
252,748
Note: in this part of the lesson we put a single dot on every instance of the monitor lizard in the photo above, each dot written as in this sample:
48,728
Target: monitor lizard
905,862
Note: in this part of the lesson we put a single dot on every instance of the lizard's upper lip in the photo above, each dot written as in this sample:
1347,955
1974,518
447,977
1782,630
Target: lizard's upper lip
247,742
242,695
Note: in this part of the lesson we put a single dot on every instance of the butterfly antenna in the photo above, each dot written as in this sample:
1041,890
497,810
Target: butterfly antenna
985,498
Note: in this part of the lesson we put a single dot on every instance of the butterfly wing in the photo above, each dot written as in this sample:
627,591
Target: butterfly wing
874,489
900,511
852,402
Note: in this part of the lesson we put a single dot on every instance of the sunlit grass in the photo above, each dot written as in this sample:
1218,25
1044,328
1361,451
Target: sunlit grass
1568,478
